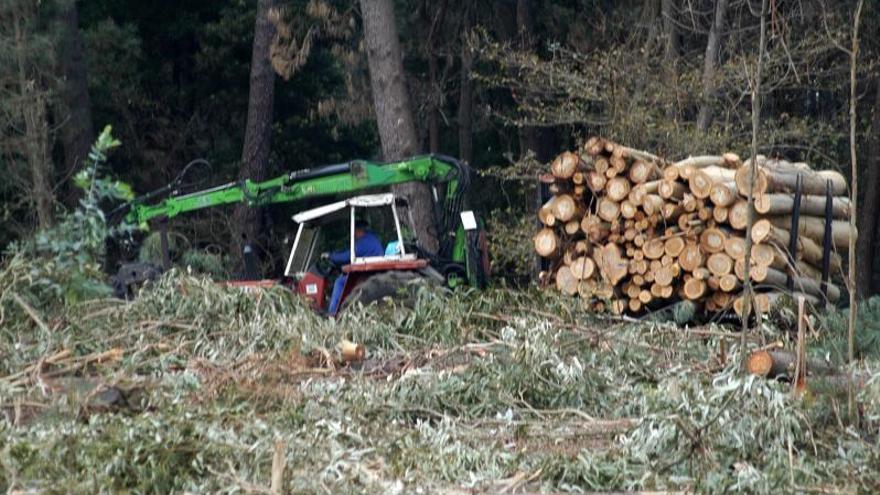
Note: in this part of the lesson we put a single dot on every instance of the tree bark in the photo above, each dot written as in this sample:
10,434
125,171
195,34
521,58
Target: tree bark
528,136
868,213
466,96
710,63
247,221
77,131
669,11
394,114
432,24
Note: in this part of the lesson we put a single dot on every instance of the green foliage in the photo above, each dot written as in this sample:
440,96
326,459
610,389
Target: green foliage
214,264
462,391
510,244
66,259
151,247
835,324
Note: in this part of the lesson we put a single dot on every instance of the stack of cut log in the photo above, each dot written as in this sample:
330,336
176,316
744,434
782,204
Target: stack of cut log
630,231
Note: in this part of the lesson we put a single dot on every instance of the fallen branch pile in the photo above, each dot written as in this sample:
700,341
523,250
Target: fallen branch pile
631,231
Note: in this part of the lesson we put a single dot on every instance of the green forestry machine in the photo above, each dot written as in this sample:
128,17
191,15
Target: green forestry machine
462,257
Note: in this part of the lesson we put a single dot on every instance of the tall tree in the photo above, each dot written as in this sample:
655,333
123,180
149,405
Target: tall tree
258,130
394,114
76,130
30,105
668,10
530,137
432,23
466,94
868,210
525,27
710,64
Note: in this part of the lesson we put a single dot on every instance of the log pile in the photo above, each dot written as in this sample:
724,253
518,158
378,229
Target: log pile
630,232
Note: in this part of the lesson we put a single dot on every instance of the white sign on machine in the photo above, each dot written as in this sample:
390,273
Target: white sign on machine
468,220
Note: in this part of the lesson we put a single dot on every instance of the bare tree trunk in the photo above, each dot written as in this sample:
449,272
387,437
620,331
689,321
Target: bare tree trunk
854,193
649,16
669,9
433,113
247,221
432,24
33,111
77,132
710,63
750,220
466,96
868,211
528,136
394,114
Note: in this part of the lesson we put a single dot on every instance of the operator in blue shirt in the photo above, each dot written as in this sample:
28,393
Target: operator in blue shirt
366,243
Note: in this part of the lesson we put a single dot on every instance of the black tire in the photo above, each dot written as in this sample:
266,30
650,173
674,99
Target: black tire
132,276
401,286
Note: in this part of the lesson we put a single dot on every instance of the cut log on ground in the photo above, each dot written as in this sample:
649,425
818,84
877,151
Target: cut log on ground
776,363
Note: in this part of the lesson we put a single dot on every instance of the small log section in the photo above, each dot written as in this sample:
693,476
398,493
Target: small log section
629,231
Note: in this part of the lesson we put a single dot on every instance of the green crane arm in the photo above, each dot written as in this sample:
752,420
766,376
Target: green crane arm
343,178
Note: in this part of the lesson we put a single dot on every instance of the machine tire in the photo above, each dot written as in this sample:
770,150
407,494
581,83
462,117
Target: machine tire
398,285
131,276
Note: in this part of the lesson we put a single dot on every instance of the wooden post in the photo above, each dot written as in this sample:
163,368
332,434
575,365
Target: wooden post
851,271
826,244
799,380
163,238
278,464
540,195
748,291
795,218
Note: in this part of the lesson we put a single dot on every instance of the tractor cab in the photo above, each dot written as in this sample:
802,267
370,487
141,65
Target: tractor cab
312,275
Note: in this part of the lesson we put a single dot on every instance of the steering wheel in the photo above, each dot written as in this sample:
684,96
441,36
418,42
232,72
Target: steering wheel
324,267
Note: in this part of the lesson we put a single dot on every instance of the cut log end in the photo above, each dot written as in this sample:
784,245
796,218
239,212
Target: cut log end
546,242
759,363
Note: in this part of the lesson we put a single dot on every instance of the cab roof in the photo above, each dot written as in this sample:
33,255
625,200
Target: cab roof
363,201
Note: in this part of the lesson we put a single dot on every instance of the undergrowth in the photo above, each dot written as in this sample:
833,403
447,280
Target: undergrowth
468,390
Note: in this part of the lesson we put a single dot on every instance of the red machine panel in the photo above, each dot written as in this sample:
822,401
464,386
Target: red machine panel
313,286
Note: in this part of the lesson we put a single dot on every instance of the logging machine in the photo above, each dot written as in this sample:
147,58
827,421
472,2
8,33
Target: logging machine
462,257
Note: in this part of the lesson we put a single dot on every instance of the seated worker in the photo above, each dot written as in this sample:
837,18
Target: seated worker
366,243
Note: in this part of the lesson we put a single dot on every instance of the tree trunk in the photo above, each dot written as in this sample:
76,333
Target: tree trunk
258,131
433,114
77,132
710,62
649,19
868,213
669,10
529,136
466,96
432,24
33,112
394,114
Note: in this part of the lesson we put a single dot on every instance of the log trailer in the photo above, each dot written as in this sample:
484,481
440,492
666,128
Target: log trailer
462,257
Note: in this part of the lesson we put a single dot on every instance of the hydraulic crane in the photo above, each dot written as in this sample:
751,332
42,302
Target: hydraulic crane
462,256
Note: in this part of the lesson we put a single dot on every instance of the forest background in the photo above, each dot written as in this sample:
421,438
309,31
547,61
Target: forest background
502,84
